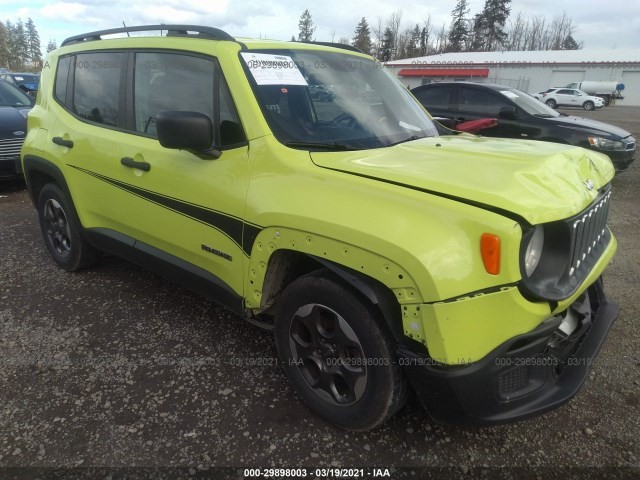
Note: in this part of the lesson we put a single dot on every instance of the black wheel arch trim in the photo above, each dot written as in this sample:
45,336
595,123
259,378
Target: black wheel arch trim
31,164
374,291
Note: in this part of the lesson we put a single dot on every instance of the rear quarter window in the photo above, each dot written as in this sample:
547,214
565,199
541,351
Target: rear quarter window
62,79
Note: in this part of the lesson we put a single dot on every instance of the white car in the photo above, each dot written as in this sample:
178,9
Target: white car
571,97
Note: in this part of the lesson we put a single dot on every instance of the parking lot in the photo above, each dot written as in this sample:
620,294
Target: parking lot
116,367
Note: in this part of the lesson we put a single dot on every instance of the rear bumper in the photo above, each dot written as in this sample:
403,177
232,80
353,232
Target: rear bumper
525,376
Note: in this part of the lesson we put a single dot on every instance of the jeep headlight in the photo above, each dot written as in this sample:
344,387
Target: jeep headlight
606,144
533,251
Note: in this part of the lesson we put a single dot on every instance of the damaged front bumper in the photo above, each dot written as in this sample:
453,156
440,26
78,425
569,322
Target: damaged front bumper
525,376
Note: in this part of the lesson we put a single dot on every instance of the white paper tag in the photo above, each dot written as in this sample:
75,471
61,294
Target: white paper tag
508,93
270,69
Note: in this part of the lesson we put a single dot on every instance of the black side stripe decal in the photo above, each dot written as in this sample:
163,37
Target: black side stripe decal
230,226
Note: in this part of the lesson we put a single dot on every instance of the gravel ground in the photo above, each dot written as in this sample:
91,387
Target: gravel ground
120,369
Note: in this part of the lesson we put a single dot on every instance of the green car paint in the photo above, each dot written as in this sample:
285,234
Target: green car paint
409,216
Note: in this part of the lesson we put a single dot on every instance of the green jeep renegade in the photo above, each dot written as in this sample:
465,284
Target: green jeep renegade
385,257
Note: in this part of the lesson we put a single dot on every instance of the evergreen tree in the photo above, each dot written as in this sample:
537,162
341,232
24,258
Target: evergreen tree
51,46
413,44
17,45
478,39
458,32
388,45
34,51
494,18
306,27
570,44
4,46
362,37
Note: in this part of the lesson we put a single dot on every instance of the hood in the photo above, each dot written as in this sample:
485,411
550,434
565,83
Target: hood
594,126
11,120
538,181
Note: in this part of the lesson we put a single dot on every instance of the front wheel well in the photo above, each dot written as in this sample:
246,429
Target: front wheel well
286,266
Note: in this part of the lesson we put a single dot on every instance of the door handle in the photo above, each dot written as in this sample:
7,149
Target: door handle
130,162
62,142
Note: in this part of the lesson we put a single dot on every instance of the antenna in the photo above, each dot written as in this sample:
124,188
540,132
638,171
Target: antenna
123,24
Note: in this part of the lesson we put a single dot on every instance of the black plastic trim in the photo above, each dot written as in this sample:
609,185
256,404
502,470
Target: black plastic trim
209,33
467,394
482,291
377,293
171,267
552,280
342,46
32,164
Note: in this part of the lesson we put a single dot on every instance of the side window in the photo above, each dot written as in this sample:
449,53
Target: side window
438,97
176,82
481,101
565,92
171,82
62,78
96,95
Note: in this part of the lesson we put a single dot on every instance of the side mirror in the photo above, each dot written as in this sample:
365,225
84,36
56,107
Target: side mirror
507,113
191,131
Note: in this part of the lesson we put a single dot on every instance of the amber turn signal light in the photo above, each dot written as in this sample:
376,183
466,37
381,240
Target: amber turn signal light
490,249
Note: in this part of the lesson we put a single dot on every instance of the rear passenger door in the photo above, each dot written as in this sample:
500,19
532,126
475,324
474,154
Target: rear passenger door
567,97
179,207
91,121
476,103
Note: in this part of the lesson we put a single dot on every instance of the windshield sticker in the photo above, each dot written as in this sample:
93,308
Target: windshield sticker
408,126
508,93
270,69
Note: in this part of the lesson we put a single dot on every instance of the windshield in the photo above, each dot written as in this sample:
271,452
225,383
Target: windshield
22,79
529,104
324,100
11,96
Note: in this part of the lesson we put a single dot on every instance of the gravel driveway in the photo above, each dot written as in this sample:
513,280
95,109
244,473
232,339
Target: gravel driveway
118,368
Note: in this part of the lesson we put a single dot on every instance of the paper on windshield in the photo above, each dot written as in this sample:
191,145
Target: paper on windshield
270,69
508,93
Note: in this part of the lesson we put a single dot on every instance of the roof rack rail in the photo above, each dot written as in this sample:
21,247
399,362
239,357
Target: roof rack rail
210,33
343,46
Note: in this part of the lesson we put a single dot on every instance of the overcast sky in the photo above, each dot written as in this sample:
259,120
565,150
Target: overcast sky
278,19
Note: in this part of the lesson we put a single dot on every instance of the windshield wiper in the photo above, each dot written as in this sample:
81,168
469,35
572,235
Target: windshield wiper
543,115
409,139
337,147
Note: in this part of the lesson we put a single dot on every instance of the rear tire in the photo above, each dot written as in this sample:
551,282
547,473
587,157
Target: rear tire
338,353
551,103
588,105
61,230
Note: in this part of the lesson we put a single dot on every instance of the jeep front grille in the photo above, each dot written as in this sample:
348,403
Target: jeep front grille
588,231
10,148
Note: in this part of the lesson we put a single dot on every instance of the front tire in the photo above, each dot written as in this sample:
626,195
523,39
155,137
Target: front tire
589,105
551,103
61,230
338,353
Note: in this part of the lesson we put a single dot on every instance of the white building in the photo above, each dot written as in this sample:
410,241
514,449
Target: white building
528,71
